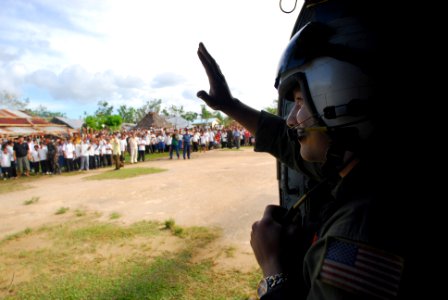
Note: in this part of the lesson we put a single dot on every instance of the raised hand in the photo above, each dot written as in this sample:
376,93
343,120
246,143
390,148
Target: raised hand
219,96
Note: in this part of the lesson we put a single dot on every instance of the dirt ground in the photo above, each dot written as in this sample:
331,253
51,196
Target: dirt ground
227,189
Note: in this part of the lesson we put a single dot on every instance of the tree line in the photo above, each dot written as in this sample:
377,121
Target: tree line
104,114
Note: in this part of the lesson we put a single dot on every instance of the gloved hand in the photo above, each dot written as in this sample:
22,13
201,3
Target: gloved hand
219,96
276,245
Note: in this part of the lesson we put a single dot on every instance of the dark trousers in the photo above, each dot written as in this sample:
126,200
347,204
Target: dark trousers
6,172
141,155
69,164
186,150
44,166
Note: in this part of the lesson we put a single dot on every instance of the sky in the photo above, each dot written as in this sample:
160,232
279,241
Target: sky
68,55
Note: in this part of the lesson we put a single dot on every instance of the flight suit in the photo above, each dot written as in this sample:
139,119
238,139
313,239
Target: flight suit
357,247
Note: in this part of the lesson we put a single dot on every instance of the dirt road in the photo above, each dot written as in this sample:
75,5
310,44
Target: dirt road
228,189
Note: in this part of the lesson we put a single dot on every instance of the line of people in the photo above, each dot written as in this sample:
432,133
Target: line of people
39,155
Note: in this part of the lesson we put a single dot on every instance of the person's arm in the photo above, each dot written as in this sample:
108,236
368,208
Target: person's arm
278,249
220,98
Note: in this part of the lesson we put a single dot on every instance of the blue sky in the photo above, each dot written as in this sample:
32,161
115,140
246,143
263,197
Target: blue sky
68,55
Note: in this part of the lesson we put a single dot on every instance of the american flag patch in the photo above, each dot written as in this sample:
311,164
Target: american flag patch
360,269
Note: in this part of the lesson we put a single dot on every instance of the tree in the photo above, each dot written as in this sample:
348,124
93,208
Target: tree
113,122
150,106
227,121
43,112
154,105
104,109
176,111
94,122
10,100
127,114
190,116
165,112
272,109
205,114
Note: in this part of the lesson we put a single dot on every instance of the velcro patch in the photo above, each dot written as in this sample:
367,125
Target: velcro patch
361,269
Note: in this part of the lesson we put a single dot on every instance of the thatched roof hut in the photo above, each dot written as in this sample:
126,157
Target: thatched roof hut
152,119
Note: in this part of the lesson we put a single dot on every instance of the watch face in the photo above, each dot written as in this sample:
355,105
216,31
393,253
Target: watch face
262,288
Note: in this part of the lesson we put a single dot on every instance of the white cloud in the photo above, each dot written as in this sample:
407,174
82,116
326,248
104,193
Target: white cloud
128,52
75,83
167,80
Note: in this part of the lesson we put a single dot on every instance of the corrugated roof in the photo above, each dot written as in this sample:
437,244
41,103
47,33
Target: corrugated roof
205,121
36,130
178,122
14,121
75,124
10,113
20,130
37,121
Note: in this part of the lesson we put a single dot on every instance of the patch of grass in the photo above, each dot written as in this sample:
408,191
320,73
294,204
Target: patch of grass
124,173
230,251
80,213
114,216
170,224
84,261
31,201
61,210
148,157
106,232
14,185
17,235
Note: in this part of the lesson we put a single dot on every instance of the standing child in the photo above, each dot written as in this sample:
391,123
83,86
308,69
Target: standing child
5,162
35,159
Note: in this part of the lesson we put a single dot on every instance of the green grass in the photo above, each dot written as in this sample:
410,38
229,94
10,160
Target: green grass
17,235
80,213
31,201
61,210
148,157
124,173
14,185
170,224
114,216
85,259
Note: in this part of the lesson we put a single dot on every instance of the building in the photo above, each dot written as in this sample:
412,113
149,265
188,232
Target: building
178,122
153,120
72,123
14,123
210,123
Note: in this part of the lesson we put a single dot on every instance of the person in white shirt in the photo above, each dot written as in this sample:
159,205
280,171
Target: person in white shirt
133,148
93,146
123,147
43,158
108,154
69,154
195,139
5,162
84,150
35,159
141,148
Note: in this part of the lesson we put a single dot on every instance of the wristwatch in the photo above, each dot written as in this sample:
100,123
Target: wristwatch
268,283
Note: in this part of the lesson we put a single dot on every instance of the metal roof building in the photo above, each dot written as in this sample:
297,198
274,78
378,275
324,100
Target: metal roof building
15,123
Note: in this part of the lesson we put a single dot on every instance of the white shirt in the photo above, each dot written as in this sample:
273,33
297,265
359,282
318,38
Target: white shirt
5,159
43,153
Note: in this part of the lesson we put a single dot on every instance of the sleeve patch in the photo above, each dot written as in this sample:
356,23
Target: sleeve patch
361,269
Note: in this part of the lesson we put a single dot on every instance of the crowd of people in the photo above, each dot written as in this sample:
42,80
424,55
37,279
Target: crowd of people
47,155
